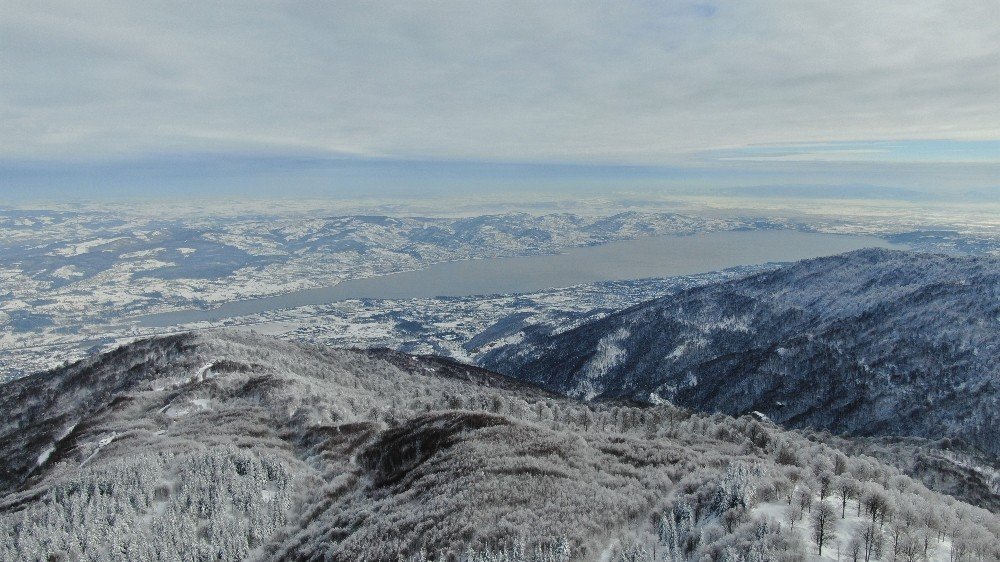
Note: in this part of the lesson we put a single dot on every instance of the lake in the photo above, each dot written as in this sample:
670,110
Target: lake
658,256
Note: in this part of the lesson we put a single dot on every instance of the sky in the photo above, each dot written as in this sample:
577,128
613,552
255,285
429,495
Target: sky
102,98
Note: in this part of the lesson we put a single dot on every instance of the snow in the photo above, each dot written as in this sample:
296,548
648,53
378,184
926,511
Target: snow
45,455
101,443
844,530
67,272
607,356
82,247
325,389
607,555
202,373
142,253
730,323
202,403
177,412
655,399
197,405
97,301
66,431
841,538
691,380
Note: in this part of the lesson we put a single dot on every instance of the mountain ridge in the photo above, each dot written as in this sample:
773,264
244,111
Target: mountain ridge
238,446
857,343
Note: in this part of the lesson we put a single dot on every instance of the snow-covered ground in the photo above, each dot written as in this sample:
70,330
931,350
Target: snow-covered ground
836,548
462,328
70,279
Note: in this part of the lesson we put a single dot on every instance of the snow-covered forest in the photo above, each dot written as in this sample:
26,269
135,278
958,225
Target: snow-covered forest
873,343
237,446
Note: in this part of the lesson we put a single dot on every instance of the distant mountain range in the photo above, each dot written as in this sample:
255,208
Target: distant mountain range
872,343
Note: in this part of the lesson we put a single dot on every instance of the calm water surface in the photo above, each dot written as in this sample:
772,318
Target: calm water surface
659,256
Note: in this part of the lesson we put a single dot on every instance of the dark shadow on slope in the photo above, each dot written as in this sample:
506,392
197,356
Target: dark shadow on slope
400,450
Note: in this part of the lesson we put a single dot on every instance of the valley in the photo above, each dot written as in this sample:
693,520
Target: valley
708,408
78,281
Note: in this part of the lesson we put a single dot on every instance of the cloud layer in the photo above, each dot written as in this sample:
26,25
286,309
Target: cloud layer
611,82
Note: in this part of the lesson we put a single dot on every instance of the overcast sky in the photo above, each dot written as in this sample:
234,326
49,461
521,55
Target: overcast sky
99,86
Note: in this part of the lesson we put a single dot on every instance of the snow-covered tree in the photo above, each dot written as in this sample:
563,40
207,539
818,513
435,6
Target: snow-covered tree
822,520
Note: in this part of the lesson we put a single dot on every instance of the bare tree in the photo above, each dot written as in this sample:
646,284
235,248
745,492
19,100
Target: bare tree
794,475
821,523
871,540
909,548
805,496
847,488
793,514
854,548
839,463
825,480
876,504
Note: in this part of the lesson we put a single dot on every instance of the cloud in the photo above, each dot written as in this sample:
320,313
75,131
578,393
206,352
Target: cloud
644,83
910,152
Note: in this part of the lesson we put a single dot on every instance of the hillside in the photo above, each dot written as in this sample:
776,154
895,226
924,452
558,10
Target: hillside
238,446
872,343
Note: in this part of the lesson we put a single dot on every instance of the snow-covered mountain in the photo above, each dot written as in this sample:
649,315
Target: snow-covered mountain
236,446
872,342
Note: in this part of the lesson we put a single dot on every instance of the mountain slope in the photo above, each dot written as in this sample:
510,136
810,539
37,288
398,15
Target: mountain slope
873,342
236,446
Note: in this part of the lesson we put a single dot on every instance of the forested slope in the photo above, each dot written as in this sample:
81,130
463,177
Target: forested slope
873,342
242,447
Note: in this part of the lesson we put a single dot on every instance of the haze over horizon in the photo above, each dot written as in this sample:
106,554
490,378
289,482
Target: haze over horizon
113,99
